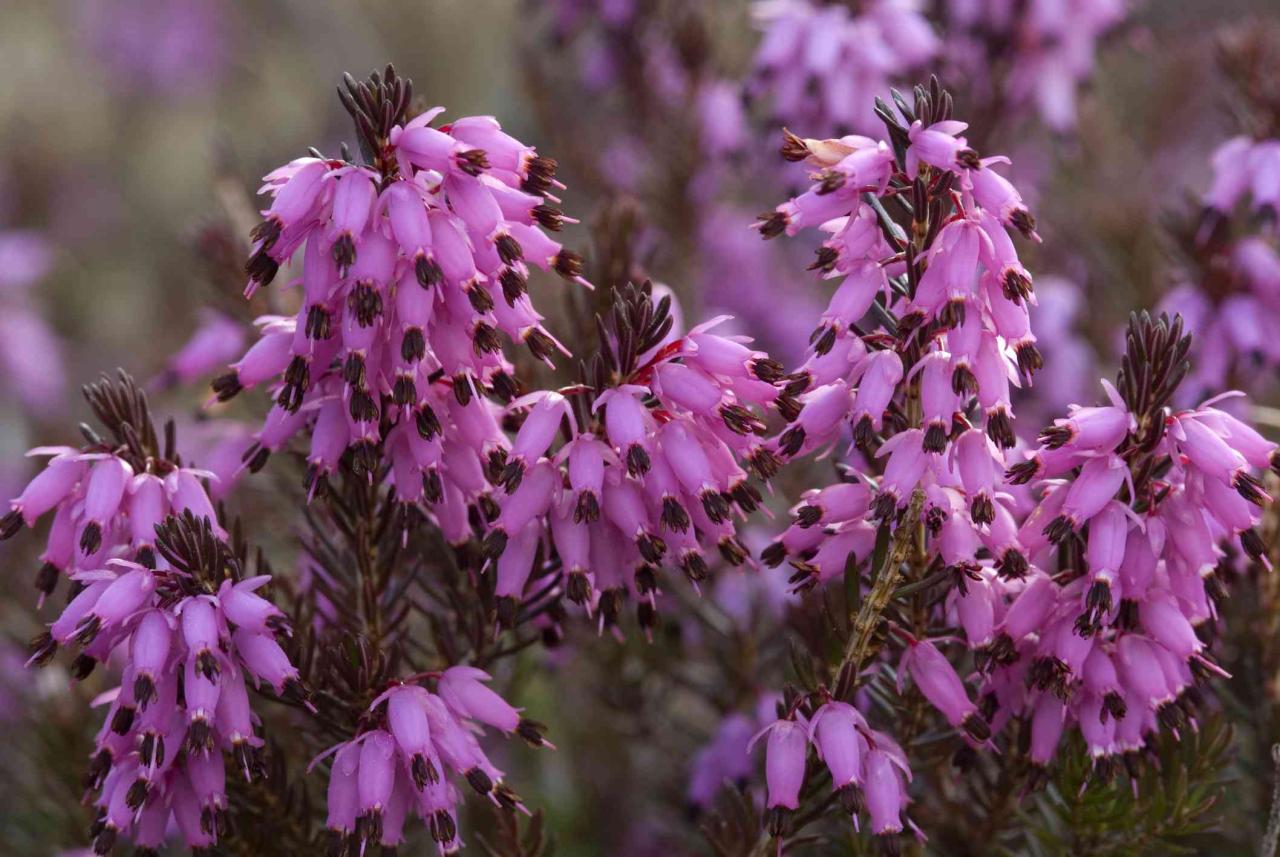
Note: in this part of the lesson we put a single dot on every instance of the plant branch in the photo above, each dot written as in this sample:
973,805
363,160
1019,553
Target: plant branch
882,591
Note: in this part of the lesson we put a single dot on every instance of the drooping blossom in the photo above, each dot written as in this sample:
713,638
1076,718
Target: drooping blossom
869,771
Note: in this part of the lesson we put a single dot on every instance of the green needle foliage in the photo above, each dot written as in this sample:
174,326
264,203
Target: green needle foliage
1177,798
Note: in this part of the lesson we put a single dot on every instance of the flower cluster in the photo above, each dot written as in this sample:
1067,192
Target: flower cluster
1245,171
664,437
1049,45
108,496
868,769
195,632
1146,506
916,354
1230,299
920,343
413,267
153,581
405,762
1081,597
820,66
726,756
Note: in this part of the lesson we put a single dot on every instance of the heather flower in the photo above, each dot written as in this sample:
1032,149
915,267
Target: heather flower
868,769
785,753
189,616
413,268
955,329
933,674
108,496
1114,649
412,764
662,442
838,732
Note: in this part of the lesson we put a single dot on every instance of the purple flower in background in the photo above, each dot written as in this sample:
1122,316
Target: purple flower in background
725,757
820,67
1229,296
739,276
572,15
29,349
1051,45
167,46
218,446
216,341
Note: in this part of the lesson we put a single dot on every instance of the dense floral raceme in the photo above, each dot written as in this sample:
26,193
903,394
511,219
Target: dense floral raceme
920,344
664,438
412,269
155,587
1140,515
916,353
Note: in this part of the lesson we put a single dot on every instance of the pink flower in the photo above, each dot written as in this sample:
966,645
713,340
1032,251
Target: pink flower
784,762
938,681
